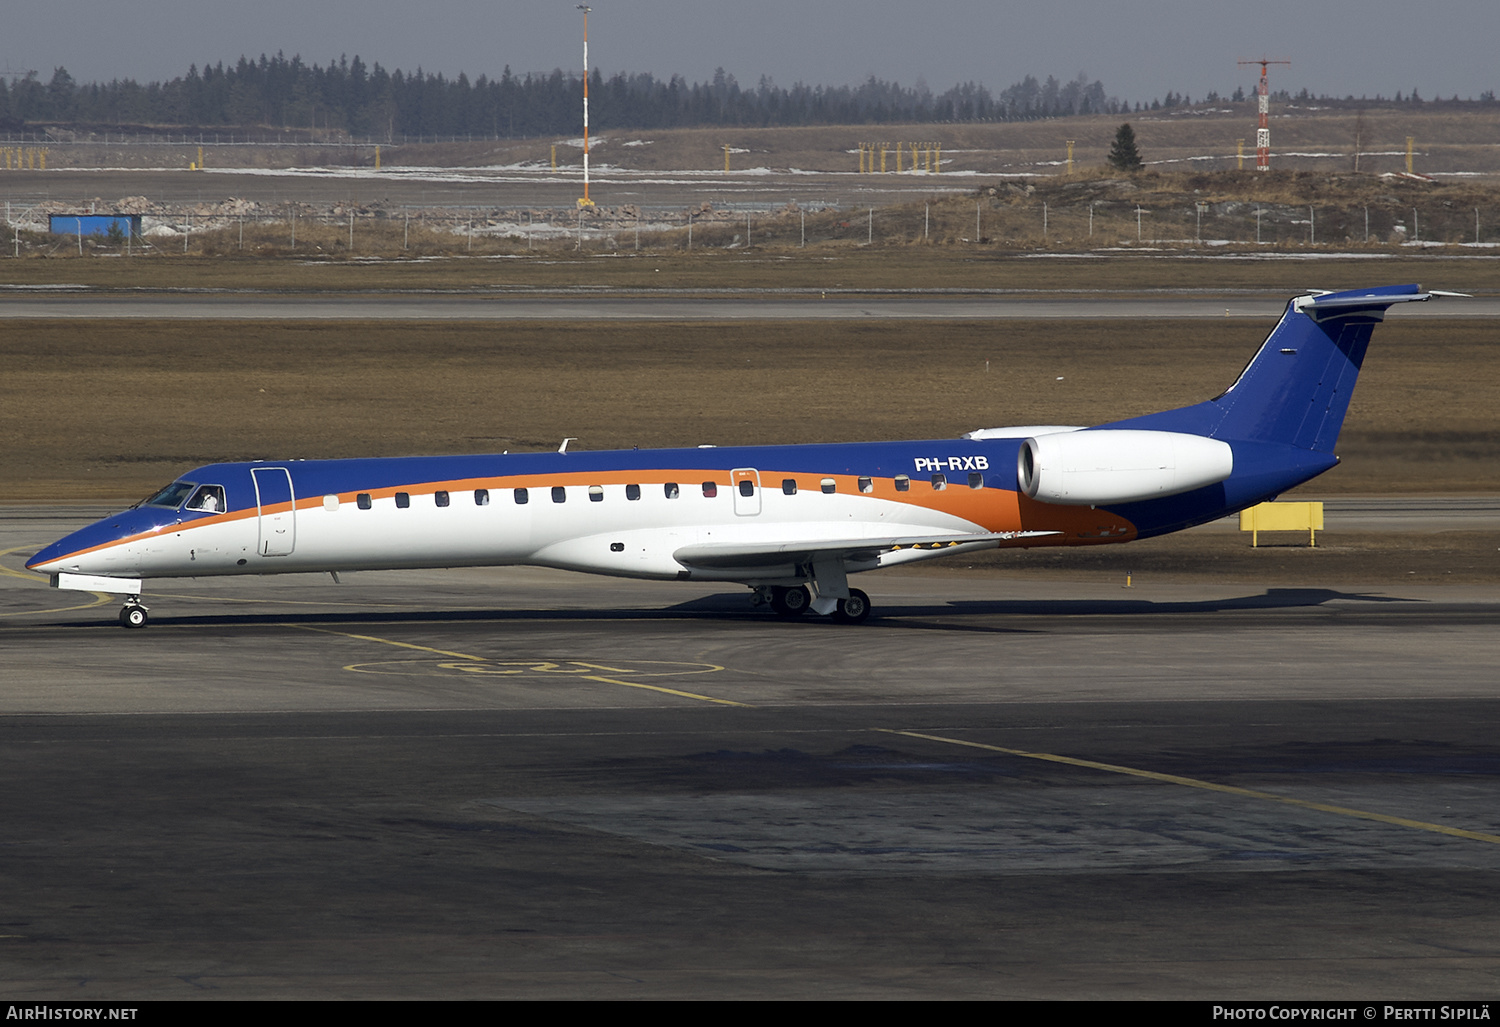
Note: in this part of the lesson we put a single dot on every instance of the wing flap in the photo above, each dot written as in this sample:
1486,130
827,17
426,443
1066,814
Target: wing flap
715,555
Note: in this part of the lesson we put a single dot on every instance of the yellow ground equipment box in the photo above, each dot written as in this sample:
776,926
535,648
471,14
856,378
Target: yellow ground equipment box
1306,517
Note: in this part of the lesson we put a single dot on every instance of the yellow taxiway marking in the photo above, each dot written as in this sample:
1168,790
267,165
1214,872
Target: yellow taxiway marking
100,598
480,659
1192,782
390,641
669,691
12,572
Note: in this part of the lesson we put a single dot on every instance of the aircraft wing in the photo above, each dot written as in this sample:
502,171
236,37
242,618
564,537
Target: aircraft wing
714,555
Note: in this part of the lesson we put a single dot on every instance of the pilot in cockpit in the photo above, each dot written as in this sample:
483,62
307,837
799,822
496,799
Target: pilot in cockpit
208,499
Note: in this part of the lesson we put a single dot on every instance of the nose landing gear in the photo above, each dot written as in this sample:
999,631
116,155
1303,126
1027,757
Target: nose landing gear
133,614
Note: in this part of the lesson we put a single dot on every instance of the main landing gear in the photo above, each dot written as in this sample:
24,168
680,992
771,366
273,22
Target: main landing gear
791,602
133,614
797,600
853,609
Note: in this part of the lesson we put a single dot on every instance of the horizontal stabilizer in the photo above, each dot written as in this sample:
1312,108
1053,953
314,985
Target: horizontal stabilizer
1320,306
711,555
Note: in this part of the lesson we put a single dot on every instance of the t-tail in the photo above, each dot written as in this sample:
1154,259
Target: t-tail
1295,391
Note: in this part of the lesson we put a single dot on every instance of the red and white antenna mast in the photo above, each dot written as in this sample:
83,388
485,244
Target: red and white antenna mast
585,202
1263,132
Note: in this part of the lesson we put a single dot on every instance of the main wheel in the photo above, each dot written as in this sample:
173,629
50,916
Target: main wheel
854,609
133,617
791,602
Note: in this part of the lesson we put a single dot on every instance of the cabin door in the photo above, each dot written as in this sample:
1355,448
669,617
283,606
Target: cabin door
276,508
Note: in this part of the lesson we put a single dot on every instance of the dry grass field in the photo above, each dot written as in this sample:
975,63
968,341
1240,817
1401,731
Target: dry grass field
843,269
96,411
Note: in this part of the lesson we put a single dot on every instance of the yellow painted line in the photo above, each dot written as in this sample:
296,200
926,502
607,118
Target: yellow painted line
481,659
12,572
100,598
1191,782
388,641
669,691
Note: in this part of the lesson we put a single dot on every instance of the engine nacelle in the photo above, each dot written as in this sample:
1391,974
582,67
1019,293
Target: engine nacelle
1110,466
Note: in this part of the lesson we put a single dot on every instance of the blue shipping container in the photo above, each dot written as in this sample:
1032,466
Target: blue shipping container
95,224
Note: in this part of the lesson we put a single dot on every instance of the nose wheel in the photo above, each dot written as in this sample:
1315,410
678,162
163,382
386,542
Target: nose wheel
133,615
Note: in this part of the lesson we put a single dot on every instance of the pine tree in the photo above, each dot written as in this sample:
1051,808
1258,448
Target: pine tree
1123,154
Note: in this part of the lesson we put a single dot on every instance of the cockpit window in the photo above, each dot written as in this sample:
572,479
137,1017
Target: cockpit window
172,495
208,499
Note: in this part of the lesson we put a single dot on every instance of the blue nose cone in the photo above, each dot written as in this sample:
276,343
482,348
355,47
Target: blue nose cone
55,551
73,551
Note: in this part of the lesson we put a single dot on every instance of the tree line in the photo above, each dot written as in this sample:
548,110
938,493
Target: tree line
370,102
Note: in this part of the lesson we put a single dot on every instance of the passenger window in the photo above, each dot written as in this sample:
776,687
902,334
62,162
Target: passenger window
828,486
866,485
710,490
747,487
403,500
976,480
363,501
559,494
208,499
481,497
440,498
671,490
903,483
523,496
632,492
789,486
939,482
596,493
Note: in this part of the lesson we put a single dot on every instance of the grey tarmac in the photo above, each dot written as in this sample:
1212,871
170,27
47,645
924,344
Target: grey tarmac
525,783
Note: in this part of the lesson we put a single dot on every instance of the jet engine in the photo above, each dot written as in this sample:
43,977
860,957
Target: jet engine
1110,466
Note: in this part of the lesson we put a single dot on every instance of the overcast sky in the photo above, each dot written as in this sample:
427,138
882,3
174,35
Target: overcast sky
1139,49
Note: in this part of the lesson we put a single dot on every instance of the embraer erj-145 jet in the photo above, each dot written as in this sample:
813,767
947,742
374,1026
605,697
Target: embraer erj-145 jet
791,522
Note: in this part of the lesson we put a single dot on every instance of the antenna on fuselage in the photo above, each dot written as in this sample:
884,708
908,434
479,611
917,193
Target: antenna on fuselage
564,447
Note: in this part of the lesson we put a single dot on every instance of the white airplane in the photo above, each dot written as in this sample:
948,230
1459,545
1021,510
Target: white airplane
791,522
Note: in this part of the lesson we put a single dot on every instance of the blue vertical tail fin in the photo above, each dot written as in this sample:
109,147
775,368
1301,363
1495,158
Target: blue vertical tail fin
1296,389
